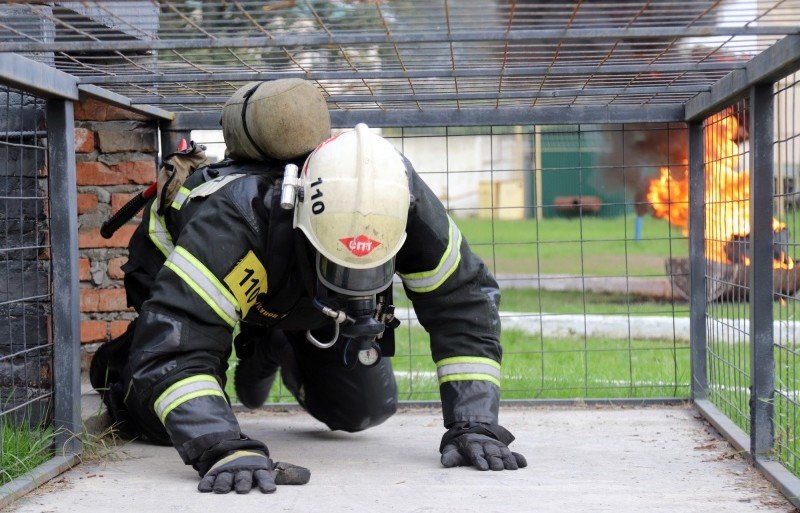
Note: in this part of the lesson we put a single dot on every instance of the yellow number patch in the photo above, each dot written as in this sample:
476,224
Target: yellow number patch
247,280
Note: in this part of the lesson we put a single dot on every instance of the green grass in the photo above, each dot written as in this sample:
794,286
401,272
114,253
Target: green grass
555,368
559,368
729,378
22,448
560,302
578,303
589,246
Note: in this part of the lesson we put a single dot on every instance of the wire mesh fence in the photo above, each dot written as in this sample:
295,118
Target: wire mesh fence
727,232
594,284
787,280
405,55
26,350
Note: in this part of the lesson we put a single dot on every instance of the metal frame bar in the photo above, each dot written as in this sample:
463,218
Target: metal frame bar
484,72
465,36
42,80
209,120
776,61
762,361
66,298
19,487
169,138
786,482
525,403
423,97
36,78
697,269
124,102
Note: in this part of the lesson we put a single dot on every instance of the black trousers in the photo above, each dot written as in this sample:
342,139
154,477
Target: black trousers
343,399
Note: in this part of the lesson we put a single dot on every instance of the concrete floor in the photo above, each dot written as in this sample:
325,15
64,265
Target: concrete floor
581,459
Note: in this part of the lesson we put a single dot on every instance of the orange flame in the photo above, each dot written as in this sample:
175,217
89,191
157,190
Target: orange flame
727,194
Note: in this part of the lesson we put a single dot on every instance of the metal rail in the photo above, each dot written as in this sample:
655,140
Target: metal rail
417,73
776,61
546,36
209,120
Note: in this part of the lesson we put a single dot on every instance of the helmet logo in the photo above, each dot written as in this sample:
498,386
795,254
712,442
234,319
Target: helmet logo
360,246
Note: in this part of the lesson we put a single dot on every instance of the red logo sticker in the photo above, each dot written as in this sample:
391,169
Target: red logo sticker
360,246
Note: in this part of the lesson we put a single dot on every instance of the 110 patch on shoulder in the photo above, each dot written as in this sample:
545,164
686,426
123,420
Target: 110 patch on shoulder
247,280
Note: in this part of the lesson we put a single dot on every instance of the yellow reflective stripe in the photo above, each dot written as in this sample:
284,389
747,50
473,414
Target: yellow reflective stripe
468,359
180,198
236,455
187,397
213,186
230,321
157,231
208,274
428,281
185,381
469,377
185,390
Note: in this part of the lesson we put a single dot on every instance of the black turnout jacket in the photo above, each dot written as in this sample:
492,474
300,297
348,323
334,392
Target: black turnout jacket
224,254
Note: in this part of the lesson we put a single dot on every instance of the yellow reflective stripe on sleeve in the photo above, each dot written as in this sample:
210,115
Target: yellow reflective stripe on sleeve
428,281
205,284
469,377
180,198
186,390
157,230
463,368
468,359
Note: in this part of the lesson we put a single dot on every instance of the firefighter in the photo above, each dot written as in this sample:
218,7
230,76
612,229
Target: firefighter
291,261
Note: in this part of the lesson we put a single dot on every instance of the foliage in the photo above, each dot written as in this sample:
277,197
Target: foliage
22,448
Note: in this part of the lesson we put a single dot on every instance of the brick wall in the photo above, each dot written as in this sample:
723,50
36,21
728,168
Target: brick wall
116,152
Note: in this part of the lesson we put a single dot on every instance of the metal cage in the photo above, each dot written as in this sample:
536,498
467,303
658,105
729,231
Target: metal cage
716,79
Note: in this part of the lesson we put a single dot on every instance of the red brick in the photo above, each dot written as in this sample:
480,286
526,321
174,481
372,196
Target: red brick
103,300
92,239
115,268
137,171
84,266
86,202
97,173
84,140
118,200
90,109
93,331
118,328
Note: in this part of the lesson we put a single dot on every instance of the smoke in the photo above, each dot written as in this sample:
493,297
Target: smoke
633,156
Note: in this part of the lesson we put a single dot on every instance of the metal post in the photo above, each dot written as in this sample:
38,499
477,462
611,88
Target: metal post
66,299
537,170
697,260
762,364
170,138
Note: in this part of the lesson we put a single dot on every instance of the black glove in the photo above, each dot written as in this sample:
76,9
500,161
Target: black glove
242,470
483,446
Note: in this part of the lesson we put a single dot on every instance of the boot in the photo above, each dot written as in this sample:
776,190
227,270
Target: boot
254,375
109,360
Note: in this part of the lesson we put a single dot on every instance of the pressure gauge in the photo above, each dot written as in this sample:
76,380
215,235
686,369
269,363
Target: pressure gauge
369,357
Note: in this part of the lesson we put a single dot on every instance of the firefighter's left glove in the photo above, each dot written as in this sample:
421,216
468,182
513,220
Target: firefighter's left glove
243,470
483,446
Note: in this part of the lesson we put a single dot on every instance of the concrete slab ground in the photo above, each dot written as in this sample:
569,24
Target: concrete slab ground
656,459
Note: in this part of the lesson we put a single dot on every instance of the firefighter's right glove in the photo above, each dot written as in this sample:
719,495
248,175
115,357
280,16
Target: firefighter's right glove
244,470
482,446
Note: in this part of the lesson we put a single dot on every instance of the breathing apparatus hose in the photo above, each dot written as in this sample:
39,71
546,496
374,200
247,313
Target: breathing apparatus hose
338,318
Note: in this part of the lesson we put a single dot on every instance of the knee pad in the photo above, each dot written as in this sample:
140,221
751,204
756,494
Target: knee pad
358,417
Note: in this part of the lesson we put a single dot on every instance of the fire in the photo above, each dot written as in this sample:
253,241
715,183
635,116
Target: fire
727,195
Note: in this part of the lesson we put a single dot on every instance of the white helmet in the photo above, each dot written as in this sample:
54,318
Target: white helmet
354,209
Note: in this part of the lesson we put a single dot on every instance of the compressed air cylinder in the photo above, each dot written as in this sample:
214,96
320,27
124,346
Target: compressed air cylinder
280,119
